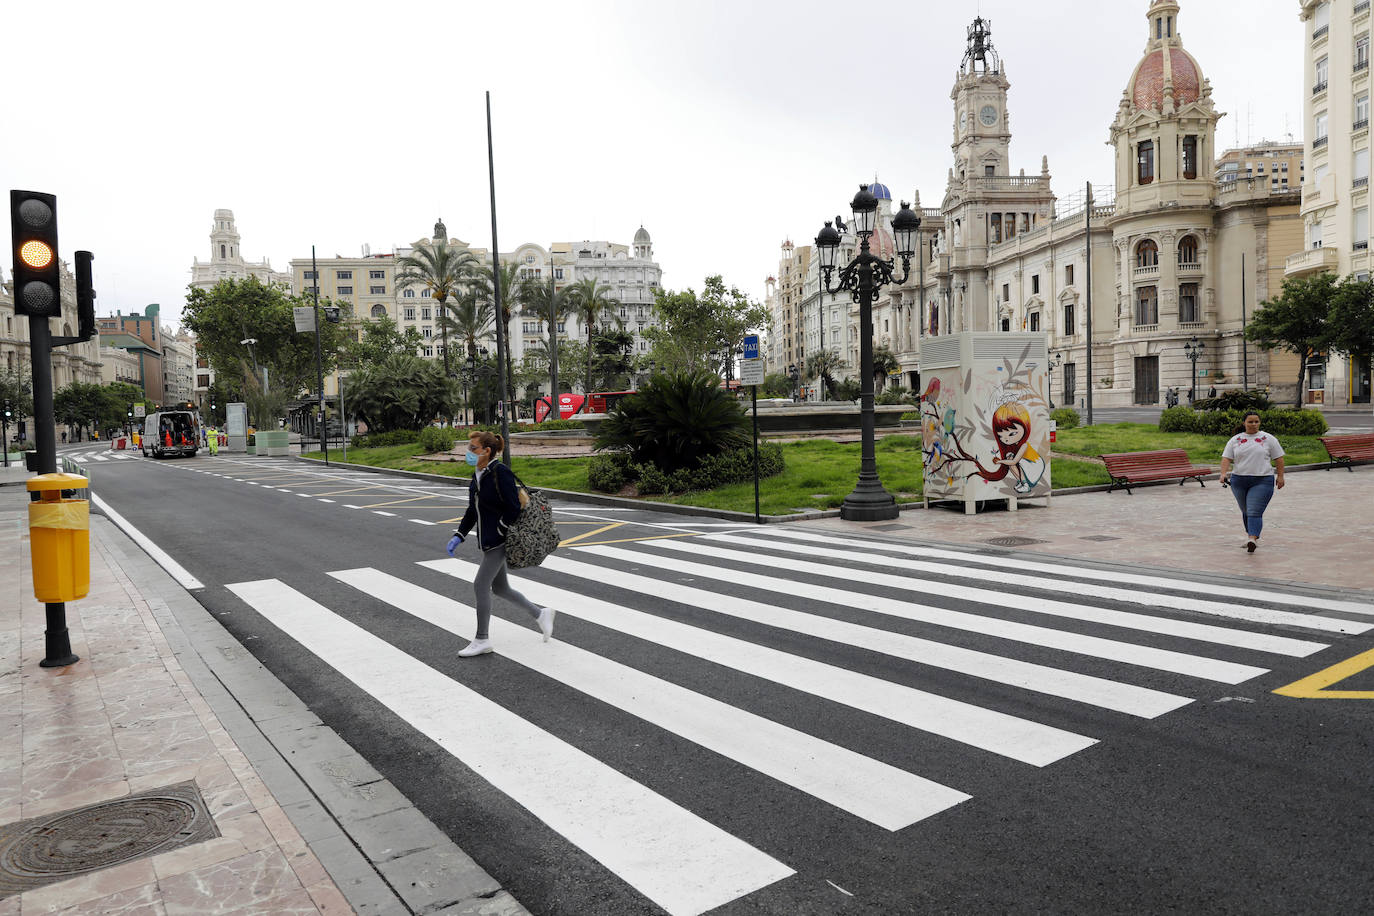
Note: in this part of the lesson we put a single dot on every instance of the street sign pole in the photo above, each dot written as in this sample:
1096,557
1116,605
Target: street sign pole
754,397
751,374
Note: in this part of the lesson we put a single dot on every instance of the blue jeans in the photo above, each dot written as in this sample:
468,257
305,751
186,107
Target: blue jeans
1252,495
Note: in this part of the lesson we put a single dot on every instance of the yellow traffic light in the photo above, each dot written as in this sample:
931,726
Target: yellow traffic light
35,254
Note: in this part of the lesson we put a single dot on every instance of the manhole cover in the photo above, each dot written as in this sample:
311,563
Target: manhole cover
1013,541
43,850
1098,537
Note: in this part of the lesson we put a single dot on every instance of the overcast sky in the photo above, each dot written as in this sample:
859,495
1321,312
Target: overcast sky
723,126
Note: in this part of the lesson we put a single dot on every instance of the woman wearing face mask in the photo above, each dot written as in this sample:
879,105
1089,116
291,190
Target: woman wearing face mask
1246,465
493,505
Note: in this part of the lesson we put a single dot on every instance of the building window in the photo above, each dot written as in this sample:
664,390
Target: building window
1361,168
1147,306
561,326
1320,76
377,290
310,275
1147,254
1006,292
989,170
379,311
1068,275
343,275
1145,162
429,351
1190,157
376,275
425,313
345,290
408,294
410,313
1187,302
1361,228
1319,132
1035,283
1069,326
1035,321
1362,52
1362,112
426,332
1187,250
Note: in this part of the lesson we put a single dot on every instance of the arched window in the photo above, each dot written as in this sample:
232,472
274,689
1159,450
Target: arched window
221,251
1187,250
1190,157
408,294
1147,254
379,311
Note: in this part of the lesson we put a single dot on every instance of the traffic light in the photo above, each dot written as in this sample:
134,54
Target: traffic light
85,296
33,233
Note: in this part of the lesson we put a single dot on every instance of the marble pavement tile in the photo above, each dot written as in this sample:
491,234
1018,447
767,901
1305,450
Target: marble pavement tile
226,887
107,881
139,901
37,803
329,899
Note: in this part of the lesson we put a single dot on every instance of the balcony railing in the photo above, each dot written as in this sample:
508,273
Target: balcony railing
1361,246
1149,270
1144,328
1320,32
1312,259
1190,267
1362,124
1360,183
1319,88
1320,142
1362,7
1361,65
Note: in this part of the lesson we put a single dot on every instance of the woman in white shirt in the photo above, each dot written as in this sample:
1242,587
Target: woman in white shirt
1252,462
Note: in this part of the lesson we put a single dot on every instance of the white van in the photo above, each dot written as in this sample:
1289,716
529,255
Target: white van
171,432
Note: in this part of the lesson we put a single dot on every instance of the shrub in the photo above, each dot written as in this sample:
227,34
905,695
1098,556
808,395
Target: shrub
437,439
608,473
1235,400
674,421
1290,422
847,390
912,415
1065,417
1176,420
381,440
553,424
649,479
1279,421
895,394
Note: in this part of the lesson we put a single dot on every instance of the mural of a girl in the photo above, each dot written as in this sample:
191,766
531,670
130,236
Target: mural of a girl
1011,426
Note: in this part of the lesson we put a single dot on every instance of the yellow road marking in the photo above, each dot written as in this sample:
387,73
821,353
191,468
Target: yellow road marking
651,537
586,534
1313,687
353,490
401,502
445,521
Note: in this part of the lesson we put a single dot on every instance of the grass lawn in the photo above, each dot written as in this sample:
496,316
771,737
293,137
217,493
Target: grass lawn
1104,439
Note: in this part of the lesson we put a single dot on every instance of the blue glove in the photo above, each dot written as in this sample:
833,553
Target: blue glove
454,542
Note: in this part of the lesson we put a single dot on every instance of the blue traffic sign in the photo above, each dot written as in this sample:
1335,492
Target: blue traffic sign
751,346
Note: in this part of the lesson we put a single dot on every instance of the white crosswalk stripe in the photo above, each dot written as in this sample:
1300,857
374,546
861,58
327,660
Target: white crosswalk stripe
630,597
675,858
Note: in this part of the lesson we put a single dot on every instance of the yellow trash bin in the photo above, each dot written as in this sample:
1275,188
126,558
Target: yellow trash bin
60,539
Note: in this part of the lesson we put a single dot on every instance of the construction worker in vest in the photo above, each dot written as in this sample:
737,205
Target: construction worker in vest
212,440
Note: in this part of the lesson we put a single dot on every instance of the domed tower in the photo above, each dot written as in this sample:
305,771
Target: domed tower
644,248
982,132
224,239
1165,127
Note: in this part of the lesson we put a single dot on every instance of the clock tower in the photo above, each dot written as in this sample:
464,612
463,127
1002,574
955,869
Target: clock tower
982,130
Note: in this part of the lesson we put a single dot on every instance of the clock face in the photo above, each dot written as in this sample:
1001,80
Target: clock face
963,120
988,115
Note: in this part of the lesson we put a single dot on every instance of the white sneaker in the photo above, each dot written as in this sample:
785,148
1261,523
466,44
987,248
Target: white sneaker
476,647
545,620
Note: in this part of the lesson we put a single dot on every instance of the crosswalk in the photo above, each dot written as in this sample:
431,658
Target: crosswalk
109,456
957,659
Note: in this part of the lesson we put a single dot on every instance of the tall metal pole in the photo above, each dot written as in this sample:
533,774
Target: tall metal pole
496,290
553,346
1088,245
319,364
1244,345
869,501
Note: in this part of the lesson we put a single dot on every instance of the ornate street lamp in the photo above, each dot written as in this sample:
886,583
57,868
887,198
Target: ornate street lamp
863,277
1056,360
795,374
1193,350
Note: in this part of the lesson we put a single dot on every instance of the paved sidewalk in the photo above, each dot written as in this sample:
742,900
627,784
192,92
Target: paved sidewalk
162,695
1319,529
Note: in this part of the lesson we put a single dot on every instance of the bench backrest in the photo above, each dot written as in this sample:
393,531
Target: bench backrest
1161,460
1357,440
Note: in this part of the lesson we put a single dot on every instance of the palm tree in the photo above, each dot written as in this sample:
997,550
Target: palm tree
470,318
508,277
591,299
444,271
823,364
547,302
884,364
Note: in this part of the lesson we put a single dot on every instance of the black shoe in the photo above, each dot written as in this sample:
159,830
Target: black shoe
1250,546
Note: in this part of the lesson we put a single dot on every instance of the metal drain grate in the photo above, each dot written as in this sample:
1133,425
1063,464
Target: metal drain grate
55,847
890,528
1013,541
1098,537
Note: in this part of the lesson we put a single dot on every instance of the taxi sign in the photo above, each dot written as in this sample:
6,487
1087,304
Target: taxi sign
751,346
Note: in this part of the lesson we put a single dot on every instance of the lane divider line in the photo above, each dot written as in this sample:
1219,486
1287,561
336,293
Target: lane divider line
160,556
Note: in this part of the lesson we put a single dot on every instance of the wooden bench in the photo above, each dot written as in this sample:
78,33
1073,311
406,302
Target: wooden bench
1348,448
1127,468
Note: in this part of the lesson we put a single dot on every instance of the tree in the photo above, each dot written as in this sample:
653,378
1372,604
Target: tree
545,302
1296,320
444,272
675,421
612,359
236,310
471,320
1350,322
884,364
507,279
15,391
378,339
592,300
402,391
824,364
691,327
776,385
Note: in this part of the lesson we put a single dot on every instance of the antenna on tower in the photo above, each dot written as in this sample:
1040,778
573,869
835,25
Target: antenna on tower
1250,124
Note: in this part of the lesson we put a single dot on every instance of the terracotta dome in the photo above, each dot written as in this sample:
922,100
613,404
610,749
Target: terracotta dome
1147,85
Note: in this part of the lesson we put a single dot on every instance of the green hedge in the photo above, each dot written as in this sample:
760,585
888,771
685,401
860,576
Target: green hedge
609,473
1065,417
1279,421
436,439
381,440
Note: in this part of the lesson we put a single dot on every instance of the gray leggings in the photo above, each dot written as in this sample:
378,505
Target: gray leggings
491,577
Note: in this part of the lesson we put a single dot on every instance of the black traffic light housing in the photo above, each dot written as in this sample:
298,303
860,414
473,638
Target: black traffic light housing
33,234
85,296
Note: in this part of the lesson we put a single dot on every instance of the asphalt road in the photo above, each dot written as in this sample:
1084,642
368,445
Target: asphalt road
740,721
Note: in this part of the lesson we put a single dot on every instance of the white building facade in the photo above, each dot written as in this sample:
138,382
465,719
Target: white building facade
227,261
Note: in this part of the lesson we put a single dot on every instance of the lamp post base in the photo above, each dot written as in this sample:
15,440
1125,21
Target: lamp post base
869,502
